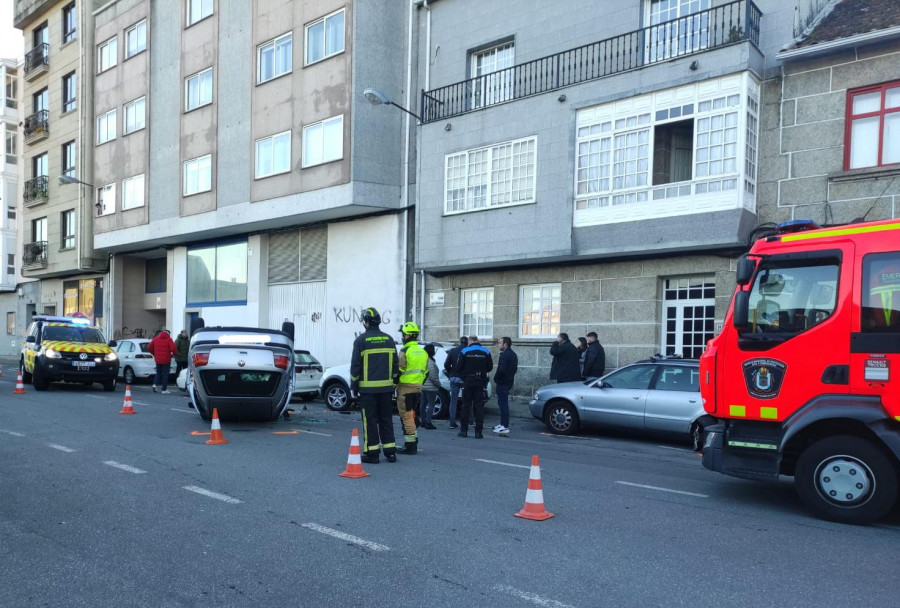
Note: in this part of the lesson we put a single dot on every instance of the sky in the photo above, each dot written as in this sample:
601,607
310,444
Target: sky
10,37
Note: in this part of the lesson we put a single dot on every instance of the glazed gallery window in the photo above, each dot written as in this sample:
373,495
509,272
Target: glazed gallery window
273,155
198,10
197,175
106,198
323,141
136,39
325,37
873,127
274,58
133,192
69,91
217,274
135,115
477,312
198,90
493,176
539,307
67,226
106,127
107,54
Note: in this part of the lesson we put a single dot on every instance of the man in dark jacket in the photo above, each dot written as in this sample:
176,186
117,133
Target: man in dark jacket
475,363
594,358
456,383
565,366
373,375
507,366
182,344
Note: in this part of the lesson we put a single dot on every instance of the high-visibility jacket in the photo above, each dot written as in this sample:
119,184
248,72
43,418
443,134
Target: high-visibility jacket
413,363
373,364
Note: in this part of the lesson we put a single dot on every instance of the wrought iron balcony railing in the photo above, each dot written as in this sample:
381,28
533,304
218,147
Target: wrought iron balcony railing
37,57
34,255
37,124
36,190
698,32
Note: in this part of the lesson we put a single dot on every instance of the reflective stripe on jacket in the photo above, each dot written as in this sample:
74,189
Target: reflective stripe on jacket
373,364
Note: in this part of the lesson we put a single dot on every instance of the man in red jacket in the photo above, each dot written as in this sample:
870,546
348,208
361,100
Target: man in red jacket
163,348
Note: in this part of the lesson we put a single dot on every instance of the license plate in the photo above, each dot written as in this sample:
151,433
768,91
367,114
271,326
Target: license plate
83,363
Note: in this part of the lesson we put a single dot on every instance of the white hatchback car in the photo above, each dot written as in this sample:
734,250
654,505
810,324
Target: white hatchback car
307,375
135,363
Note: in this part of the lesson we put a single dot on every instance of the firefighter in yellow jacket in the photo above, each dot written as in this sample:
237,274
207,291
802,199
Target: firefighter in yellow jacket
413,366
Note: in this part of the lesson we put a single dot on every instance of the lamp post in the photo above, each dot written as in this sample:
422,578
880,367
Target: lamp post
68,179
376,98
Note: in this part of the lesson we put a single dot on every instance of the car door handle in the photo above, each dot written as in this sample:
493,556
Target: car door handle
692,401
635,398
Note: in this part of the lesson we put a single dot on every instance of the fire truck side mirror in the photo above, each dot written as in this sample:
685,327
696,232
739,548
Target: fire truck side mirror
741,312
745,269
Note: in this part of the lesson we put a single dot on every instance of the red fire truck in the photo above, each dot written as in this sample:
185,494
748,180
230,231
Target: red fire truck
804,378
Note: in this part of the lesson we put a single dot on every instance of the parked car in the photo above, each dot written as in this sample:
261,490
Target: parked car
246,373
656,395
335,385
135,363
307,375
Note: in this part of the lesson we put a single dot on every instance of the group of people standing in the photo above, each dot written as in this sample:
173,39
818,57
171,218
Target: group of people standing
571,363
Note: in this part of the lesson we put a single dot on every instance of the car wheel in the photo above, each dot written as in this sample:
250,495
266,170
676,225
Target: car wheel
128,375
308,396
38,380
561,418
26,375
337,396
441,405
109,385
846,479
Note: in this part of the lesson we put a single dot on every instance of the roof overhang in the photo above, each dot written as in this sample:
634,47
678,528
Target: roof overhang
839,44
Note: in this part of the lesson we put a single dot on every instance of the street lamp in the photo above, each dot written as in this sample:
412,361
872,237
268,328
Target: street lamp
376,98
68,179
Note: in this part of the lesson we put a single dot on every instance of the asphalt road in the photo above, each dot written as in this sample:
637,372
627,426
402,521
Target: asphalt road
99,509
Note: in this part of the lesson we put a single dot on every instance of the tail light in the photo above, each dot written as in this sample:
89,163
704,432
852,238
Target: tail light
281,361
200,359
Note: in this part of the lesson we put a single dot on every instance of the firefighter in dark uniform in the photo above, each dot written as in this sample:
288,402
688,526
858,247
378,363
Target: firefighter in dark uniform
373,374
413,367
475,362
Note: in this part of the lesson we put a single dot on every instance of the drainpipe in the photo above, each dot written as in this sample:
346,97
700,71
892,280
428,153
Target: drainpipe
427,46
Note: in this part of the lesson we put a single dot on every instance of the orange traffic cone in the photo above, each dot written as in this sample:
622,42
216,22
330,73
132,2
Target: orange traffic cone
354,468
127,408
20,388
534,497
215,431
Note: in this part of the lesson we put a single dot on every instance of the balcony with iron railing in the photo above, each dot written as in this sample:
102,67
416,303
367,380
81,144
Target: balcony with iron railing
37,126
34,255
699,32
36,191
37,61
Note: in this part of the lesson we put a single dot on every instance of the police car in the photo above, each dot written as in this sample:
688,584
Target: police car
67,349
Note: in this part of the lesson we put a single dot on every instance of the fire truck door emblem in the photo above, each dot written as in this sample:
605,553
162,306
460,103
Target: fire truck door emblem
764,377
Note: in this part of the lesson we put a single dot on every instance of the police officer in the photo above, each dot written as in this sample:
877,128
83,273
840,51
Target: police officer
475,363
373,374
413,367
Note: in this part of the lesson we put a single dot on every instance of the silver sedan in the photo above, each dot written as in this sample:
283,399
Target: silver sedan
658,395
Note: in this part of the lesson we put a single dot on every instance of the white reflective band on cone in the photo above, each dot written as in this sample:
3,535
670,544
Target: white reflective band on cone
535,473
215,425
535,497
353,459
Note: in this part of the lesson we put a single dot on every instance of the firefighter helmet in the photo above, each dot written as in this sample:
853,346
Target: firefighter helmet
410,329
370,316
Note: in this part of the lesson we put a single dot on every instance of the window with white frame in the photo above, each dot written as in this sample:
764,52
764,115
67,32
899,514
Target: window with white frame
539,307
12,155
135,115
325,37
274,58
323,141
136,39
197,175
677,27
106,127
106,198
107,54
477,312
67,229
198,10
493,176
273,155
492,88
689,305
198,90
133,192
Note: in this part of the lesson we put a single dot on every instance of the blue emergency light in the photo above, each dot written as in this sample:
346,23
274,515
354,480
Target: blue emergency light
791,226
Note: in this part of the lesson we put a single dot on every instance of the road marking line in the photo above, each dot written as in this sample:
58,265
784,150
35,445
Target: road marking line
671,447
13,433
347,537
638,485
532,597
175,409
315,433
124,467
94,396
216,495
61,448
506,464
568,436
139,403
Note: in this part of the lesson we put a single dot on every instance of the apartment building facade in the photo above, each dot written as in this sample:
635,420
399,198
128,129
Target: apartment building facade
10,78
239,173
589,168
56,160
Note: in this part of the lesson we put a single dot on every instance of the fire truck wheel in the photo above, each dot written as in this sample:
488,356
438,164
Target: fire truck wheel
846,479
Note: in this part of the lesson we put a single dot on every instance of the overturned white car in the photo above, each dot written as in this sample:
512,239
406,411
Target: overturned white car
245,373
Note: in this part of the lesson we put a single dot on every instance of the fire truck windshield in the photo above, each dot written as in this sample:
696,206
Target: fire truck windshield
787,299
